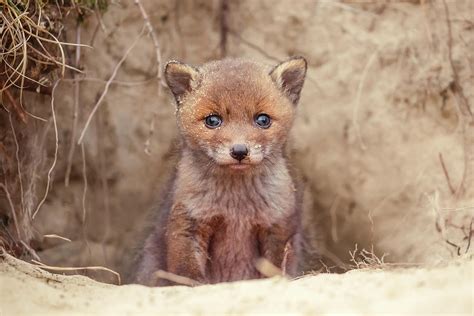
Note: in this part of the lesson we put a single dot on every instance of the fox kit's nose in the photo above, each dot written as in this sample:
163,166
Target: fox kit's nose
239,152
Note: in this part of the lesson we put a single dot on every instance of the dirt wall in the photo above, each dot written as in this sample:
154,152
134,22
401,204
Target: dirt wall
378,134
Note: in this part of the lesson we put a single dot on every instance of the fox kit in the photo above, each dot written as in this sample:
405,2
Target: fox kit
233,197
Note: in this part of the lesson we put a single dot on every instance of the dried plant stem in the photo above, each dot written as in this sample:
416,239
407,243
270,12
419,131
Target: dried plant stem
355,113
224,26
54,236
159,77
466,116
84,192
332,213
160,274
103,180
18,164
107,85
446,174
75,116
54,268
154,38
50,171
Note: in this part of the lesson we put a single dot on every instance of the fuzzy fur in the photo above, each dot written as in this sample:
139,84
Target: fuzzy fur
216,221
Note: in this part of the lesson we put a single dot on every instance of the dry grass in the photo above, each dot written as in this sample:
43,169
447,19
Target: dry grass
33,57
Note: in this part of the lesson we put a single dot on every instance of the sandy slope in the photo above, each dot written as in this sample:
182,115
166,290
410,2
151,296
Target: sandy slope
443,290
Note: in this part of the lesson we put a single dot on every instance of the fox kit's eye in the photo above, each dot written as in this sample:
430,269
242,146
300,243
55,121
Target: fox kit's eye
263,120
213,121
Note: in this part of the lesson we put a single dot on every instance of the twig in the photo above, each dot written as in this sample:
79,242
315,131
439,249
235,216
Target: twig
75,115
464,108
18,164
287,252
151,131
457,88
48,183
154,38
224,26
48,267
115,82
103,181
332,212
159,77
446,174
107,85
160,274
355,112
57,237
469,237
30,250
84,192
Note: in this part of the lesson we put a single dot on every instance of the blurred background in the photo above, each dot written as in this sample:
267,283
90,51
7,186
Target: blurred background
384,137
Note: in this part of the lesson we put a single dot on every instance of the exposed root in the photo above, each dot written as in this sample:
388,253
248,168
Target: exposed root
53,268
363,259
107,85
50,171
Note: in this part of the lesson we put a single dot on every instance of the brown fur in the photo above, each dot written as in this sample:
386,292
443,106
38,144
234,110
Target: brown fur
217,221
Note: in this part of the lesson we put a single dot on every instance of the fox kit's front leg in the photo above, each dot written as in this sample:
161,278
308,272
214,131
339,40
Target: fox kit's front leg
280,245
187,243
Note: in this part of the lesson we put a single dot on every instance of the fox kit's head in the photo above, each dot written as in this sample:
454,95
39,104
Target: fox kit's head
236,114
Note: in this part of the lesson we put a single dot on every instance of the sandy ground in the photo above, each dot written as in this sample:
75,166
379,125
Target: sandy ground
443,290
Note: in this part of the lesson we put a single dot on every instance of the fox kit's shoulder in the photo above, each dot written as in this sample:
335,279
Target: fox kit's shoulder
233,199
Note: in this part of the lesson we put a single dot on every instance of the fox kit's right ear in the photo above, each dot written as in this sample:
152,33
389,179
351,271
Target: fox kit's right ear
181,79
289,77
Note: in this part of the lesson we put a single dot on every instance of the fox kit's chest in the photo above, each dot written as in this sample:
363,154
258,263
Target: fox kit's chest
245,208
253,200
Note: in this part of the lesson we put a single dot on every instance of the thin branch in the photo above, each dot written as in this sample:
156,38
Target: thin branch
84,192
159,77
446,174
160,274
224,26
48,183
457,88
154,38
18,164
54,236
75,115
360,87
47,267
469,237
107,85
466,117
332,213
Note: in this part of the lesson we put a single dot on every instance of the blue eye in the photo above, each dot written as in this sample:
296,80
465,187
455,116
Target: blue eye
263,121
213,121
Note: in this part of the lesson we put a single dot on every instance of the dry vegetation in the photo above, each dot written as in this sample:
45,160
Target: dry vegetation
384,138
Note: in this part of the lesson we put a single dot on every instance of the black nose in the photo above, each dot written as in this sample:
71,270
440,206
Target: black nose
239,152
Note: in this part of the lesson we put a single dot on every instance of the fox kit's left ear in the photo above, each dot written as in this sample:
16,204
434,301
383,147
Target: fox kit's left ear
289,77
181,79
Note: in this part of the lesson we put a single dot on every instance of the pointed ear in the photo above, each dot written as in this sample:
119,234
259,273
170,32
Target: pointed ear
289,77
181,79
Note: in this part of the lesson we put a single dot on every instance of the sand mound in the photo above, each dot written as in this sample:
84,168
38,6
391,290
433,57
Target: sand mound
25,290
